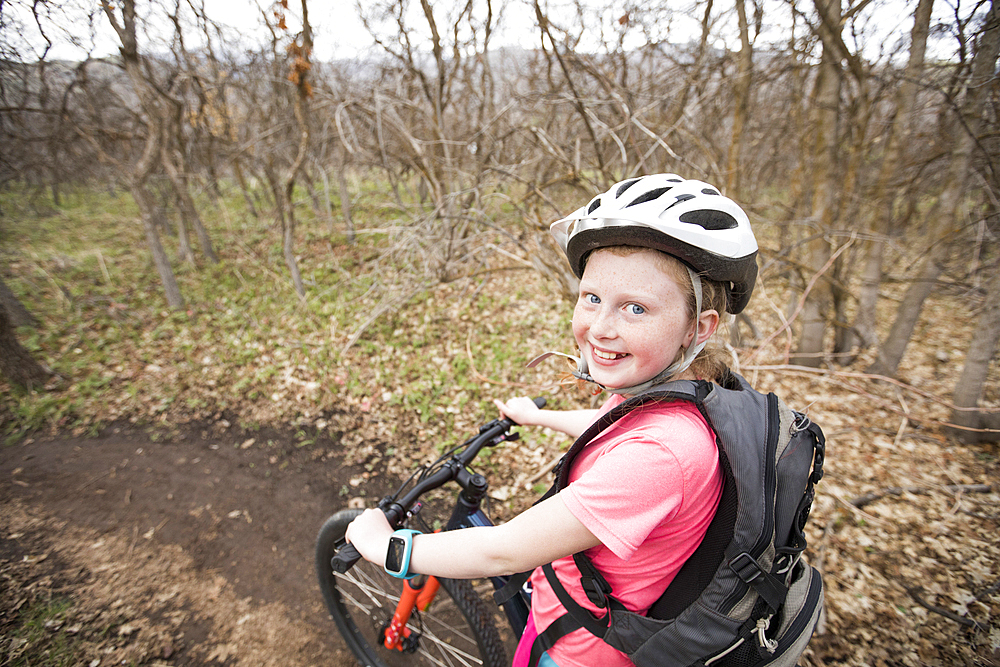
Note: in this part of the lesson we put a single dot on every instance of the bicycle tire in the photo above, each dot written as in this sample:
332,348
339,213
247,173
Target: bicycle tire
457,630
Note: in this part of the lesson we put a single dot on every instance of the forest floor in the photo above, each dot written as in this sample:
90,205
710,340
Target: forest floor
195,547
159,502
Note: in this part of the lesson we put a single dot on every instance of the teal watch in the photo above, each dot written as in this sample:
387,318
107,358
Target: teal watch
397,560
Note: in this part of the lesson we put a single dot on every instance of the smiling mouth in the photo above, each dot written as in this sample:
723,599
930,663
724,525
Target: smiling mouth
609,356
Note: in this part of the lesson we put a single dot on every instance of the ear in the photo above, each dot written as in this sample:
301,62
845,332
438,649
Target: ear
708,322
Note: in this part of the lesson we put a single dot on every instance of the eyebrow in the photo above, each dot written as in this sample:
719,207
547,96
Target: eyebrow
628,297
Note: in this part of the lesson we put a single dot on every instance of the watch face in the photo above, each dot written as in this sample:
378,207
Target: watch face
394,558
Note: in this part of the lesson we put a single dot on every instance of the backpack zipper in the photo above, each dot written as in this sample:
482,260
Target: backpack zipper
793,631
770,489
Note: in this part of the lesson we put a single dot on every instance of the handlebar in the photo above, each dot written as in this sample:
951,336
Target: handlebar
397,510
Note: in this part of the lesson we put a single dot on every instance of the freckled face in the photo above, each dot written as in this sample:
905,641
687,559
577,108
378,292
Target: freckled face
631,319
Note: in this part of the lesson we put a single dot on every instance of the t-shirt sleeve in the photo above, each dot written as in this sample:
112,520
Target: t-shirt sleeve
629,491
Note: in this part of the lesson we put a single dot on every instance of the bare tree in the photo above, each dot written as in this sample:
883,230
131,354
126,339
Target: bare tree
300,51
741,100
826,180
887,188
944,220
172,148
125,27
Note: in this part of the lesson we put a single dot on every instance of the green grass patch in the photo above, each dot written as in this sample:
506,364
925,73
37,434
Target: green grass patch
37,636
369,333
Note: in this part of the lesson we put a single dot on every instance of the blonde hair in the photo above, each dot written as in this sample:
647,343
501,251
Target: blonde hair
710,364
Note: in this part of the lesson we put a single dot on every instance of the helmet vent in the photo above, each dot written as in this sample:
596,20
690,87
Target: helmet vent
625,186
594,204
710,220
710,191
679,199
649,196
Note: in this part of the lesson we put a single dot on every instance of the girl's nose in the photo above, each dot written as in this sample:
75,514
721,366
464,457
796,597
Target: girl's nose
603,325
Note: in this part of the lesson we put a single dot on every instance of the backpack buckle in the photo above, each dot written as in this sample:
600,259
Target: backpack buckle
771,589
747,568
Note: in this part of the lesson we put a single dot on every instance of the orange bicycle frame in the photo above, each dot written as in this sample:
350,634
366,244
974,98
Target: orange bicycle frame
414,596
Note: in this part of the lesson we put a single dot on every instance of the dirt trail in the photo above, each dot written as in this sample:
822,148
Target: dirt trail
196,549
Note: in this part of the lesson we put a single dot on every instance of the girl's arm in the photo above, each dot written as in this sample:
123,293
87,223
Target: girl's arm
545,532
524,411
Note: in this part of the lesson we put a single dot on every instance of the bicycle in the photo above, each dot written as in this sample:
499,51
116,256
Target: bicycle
387,621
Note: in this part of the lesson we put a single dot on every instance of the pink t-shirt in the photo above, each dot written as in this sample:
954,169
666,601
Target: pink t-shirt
647,487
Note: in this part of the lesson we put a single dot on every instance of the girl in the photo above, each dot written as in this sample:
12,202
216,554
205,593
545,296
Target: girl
660,259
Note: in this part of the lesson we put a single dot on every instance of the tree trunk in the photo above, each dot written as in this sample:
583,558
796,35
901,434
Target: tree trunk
871,281
18,314
152,119
825,195
944,219
188,211
146,205
969,388
16,364
286,196
885,195
741,102
238,171
345,196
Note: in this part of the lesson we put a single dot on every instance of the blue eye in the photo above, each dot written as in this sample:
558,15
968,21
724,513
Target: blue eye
592,298
636,309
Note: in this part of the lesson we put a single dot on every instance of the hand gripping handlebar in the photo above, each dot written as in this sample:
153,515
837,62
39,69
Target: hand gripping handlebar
395,510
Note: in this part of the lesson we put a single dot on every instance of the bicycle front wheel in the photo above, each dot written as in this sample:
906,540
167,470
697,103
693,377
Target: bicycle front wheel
457,629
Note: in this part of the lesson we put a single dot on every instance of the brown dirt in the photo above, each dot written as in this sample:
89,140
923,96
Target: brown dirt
193,549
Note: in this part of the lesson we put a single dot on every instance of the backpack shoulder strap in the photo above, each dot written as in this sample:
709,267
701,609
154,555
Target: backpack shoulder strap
694,391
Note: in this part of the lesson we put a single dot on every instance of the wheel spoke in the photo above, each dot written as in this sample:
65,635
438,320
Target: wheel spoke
449,650
370,587
450,628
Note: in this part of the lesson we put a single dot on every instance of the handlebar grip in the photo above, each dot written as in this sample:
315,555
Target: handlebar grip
539,401
345,558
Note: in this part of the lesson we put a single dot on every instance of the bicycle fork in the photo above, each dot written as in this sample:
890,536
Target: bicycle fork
418,593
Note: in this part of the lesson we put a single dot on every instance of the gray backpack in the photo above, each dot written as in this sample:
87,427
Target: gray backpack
745,598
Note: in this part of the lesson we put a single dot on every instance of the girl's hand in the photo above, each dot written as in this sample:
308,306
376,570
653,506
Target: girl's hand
521,410
370,534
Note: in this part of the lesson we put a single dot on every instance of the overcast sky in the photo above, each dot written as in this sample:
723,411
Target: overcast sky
339,32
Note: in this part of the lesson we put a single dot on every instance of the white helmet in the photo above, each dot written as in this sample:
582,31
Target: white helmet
689,220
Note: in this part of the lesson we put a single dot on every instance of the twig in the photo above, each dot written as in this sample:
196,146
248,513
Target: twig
384,307
104,267
989,591
868,376
543,471
904,421
94,479
802,299
856,509
869,498
502,383
915,592
882,402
